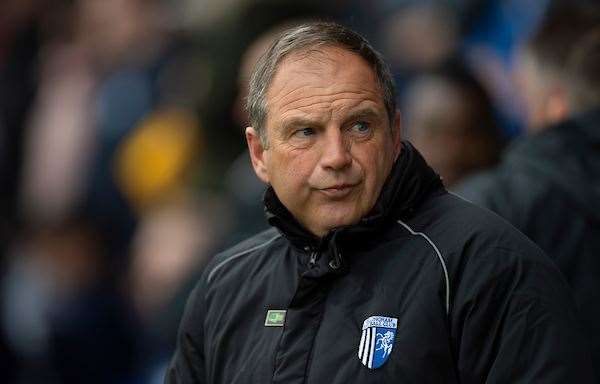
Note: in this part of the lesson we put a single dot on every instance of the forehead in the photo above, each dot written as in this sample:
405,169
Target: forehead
325,80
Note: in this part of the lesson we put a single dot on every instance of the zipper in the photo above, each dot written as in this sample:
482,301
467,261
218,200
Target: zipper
336,262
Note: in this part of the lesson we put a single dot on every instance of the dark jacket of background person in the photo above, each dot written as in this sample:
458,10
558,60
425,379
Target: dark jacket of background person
475,300
548,186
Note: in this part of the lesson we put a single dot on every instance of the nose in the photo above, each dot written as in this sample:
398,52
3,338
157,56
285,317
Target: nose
336,151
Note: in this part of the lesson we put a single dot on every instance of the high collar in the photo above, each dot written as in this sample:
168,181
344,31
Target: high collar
410,181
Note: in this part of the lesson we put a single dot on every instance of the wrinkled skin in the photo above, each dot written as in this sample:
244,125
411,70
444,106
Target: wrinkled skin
330,146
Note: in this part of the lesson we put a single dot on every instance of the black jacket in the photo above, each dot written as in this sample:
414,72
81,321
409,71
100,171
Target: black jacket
462,298
548,186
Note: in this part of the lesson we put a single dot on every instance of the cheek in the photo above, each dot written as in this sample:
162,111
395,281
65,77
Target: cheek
376,164
383,169
290,172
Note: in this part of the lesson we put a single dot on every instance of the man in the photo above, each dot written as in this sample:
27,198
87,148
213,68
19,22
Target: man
548,184
373,272
450,119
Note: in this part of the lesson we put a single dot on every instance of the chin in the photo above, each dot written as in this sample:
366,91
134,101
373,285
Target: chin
333,222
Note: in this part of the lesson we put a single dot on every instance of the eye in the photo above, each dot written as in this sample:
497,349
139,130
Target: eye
360,127
304,132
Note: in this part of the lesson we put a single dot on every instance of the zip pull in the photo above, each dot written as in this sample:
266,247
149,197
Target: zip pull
313,259
336,262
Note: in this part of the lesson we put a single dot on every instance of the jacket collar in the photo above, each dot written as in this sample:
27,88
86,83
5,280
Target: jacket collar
410,181
550,142
564,156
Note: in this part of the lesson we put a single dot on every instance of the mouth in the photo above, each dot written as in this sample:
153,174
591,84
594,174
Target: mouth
338,191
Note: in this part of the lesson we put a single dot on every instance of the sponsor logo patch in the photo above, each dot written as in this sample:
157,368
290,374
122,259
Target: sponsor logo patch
275,318
377,340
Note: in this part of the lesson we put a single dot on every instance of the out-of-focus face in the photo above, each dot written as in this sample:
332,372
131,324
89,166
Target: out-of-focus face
437,121
330,144
543,94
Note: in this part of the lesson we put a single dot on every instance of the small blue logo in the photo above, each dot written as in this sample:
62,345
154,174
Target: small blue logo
377,340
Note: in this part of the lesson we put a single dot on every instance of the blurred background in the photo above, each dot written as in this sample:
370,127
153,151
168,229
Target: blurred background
123,166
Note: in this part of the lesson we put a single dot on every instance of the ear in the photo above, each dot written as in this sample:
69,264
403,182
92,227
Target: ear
397,134
556,108
258,155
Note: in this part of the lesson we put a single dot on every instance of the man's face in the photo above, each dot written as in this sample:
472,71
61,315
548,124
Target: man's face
330,145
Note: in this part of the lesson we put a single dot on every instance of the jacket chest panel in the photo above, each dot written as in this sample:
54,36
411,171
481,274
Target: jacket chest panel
420,351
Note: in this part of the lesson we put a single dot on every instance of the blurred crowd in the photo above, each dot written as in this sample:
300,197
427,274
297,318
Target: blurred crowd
123,167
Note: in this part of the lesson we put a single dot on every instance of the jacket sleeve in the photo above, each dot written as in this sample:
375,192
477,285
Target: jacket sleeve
188,363
513,321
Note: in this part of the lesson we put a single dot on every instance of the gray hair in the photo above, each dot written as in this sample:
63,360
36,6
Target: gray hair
307,37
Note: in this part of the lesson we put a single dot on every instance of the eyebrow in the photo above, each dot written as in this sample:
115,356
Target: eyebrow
298,122
367,113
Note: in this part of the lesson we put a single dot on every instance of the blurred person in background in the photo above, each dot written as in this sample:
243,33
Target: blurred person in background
422,36
63,313
419,36
372,272
492,32
450,119
109,140
21,24
21,30
65,310
548,184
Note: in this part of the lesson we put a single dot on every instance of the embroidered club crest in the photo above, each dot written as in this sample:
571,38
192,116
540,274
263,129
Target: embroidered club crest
377,340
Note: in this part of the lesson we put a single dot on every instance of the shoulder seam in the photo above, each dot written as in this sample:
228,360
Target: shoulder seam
239,254
440,257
